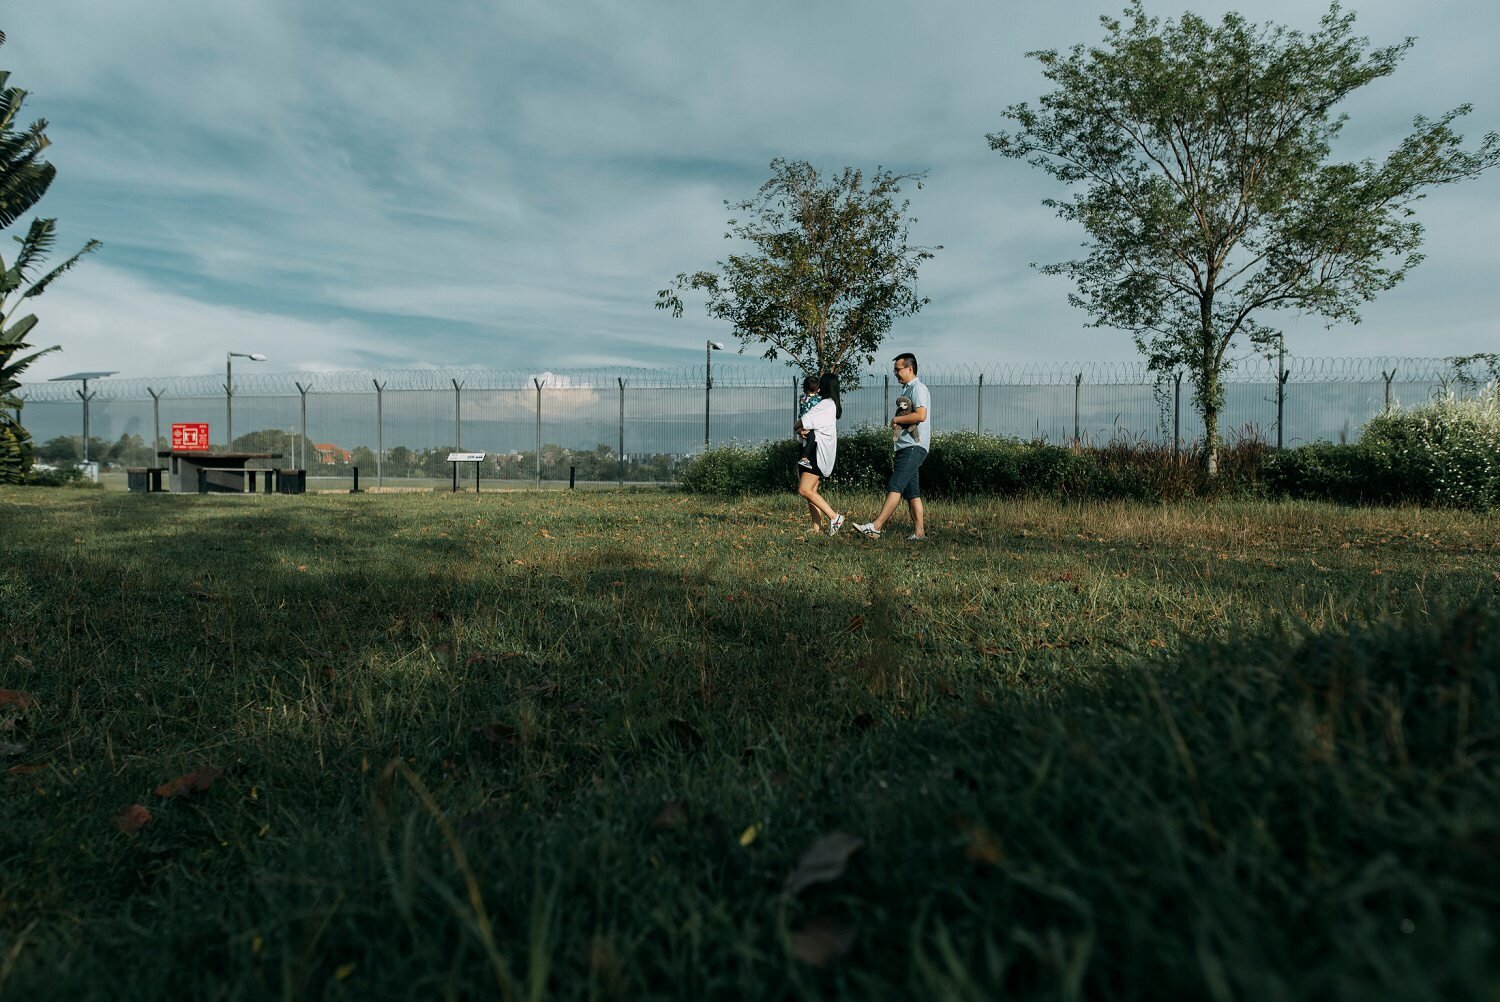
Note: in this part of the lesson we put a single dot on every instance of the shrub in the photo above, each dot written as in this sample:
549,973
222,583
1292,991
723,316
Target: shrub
1322,471
728,469
1446,452
62,476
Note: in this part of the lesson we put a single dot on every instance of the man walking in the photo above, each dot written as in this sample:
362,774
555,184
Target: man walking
915,438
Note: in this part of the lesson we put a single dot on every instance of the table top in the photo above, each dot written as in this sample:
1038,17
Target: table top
204,454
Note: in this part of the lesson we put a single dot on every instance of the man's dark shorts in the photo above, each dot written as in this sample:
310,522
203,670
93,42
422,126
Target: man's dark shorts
904,477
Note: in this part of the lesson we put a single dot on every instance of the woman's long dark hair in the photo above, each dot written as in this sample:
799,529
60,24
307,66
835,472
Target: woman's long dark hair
828,389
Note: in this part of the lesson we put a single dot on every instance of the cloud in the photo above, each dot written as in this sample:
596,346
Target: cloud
508,185
113,319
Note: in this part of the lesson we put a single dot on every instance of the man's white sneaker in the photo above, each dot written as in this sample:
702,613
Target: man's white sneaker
868,529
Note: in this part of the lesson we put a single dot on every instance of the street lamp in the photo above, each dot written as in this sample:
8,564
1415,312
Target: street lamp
708,381
229,357
85,396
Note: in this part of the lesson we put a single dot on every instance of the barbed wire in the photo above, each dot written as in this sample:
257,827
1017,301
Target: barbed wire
1257,369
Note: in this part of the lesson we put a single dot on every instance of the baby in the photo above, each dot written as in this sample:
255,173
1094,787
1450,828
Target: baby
903,406
805,403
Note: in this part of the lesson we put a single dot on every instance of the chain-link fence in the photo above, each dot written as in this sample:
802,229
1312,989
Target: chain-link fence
636,413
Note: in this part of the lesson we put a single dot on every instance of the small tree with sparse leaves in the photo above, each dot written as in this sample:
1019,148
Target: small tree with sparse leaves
828,269
1210,195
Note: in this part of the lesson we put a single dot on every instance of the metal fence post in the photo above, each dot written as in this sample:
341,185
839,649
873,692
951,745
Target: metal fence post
458,428
1281,375
538,383
379,429
1176,415
1388,376
979,408
302,454
886,401
86,395
796,397
155,425
621,381
1077,391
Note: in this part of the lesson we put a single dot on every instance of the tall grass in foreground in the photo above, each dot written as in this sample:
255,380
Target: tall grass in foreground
578,747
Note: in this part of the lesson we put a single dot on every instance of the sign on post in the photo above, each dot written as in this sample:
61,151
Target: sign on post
466,457
192,437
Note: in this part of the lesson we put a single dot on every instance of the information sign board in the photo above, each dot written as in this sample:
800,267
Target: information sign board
192,437
466,457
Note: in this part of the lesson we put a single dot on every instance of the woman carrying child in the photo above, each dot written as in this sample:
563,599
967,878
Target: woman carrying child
820,424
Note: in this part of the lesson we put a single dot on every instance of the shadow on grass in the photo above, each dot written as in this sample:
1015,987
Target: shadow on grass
631,756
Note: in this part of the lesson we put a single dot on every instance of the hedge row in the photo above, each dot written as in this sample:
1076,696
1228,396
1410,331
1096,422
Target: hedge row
1445,453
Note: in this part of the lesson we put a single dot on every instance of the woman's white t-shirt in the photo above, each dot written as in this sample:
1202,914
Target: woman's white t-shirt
822,417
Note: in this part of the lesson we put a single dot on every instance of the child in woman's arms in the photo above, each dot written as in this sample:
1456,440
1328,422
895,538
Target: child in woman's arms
805,403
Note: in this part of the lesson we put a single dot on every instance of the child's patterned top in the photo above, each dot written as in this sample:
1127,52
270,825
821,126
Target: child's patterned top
806,402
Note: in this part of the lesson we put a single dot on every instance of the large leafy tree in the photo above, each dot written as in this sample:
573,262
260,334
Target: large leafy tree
827,269
24,179
1210,194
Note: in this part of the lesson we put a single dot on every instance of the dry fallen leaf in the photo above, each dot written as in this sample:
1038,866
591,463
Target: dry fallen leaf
197,781
133,819
14,697
25,662
982,847
823,861
823,941
499,734
672,815
857,623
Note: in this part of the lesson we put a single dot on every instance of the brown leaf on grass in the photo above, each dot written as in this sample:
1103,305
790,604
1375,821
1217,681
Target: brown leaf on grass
823,861
857,623
15,697
133,819
823,941
996,651
673,814
982,847
197,781
499,734
22,770
24,661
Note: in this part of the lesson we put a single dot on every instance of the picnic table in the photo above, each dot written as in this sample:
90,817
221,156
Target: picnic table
217,472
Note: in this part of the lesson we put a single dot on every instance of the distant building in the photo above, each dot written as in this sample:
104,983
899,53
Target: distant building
329,454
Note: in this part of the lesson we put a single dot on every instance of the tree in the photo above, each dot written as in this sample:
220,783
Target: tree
1211,195
24,179
62,449
828,270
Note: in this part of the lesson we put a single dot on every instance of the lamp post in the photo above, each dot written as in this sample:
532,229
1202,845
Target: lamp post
708,381
229,357
85,396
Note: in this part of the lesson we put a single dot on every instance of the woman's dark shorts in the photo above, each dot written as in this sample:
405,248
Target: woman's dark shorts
904,479
814,470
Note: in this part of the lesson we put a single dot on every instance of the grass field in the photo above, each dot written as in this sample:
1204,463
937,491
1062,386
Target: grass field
113,481
622,745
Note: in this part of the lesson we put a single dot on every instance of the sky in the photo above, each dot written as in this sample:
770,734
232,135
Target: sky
370,184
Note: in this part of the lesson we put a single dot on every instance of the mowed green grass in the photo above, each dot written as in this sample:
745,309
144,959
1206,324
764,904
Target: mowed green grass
521,745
